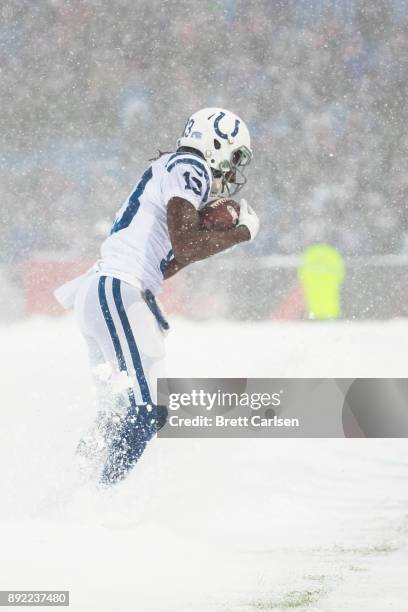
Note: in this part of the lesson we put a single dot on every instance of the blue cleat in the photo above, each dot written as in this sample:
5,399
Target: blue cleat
138,427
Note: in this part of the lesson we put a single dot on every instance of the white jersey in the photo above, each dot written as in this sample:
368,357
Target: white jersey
139,248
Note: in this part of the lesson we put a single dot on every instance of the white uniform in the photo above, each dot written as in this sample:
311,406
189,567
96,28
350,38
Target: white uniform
121,330
139,247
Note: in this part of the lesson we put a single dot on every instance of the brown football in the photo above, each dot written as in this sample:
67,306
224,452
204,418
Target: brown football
220,214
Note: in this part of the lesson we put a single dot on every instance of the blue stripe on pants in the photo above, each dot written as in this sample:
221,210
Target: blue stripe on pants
112,331
137,362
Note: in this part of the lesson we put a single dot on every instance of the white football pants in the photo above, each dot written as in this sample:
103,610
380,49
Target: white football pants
125,341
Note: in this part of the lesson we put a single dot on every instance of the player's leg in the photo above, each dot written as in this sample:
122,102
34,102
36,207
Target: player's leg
110,407
140,339
111,383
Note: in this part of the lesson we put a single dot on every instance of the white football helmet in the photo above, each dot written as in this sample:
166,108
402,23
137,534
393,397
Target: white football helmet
223,140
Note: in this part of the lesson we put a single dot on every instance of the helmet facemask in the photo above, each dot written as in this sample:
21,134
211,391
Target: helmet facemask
230,178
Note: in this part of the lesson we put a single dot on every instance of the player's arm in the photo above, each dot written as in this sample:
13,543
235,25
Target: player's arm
172,268
189,241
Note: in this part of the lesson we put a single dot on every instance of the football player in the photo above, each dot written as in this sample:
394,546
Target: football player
156,233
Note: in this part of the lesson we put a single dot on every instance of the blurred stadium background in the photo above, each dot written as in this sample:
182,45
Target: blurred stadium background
91,89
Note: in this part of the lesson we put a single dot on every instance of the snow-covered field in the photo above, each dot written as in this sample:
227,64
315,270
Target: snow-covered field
203,525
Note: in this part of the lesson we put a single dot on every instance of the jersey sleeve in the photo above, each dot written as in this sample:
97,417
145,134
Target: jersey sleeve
188,178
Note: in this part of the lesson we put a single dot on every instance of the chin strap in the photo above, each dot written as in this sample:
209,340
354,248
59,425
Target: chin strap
225,188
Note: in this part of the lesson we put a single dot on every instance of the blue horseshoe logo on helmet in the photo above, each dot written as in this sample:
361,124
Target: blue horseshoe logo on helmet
218,131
